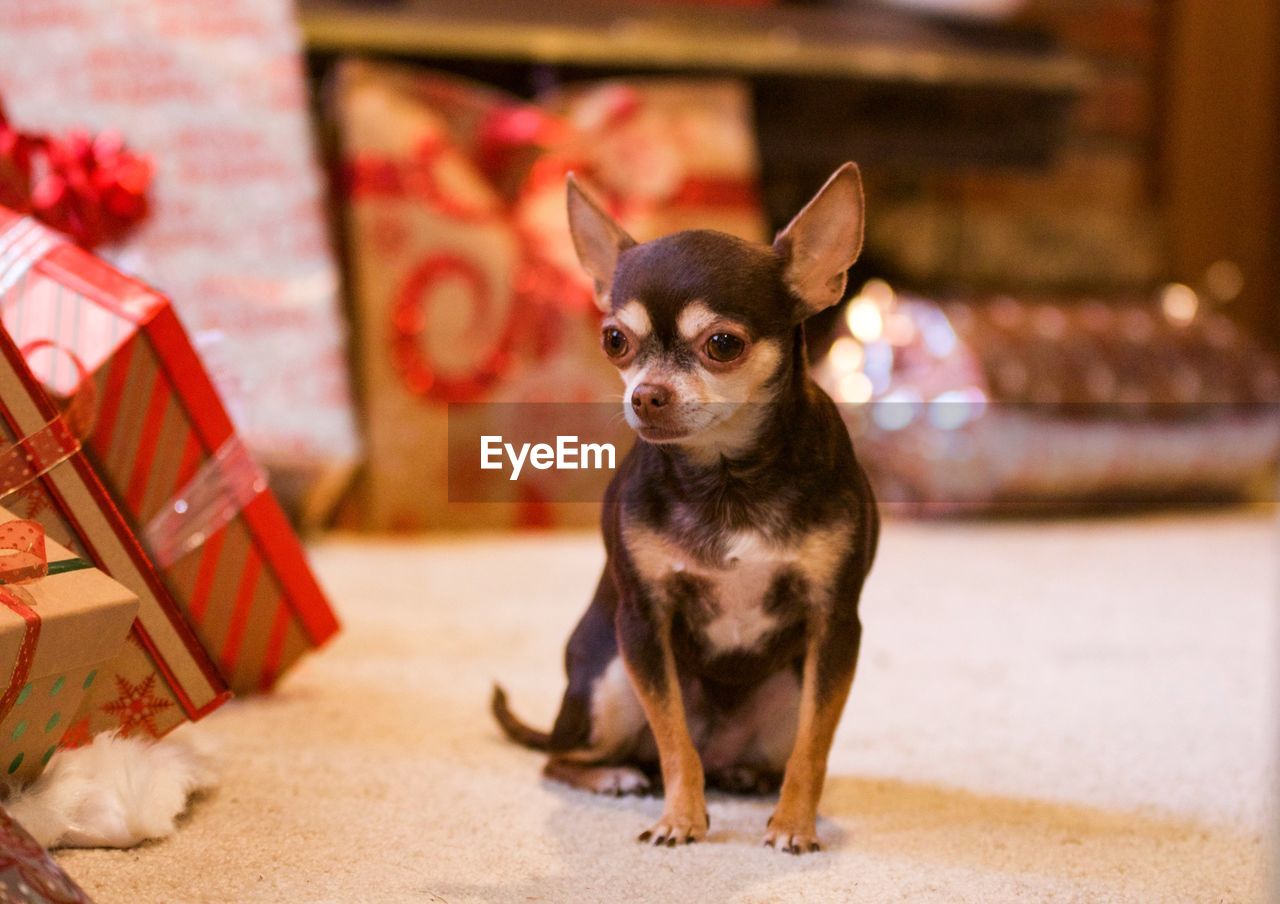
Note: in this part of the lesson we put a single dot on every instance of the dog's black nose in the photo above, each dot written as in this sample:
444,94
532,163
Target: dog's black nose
647,398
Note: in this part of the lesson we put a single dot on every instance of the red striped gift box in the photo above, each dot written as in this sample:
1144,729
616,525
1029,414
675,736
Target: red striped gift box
163,676
165,447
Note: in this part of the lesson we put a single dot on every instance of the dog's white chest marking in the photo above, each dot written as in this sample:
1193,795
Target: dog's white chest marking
737,589
739,593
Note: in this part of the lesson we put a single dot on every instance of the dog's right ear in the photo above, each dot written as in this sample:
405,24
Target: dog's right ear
598,239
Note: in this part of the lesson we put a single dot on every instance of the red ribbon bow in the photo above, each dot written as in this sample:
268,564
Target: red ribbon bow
90,187
22,553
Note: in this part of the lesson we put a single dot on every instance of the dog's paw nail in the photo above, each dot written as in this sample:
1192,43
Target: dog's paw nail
814,847
645,836
671,842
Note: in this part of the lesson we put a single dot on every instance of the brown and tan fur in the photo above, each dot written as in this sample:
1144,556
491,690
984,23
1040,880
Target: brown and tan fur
721,643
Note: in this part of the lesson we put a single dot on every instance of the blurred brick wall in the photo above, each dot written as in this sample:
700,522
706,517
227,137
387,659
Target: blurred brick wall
1089,222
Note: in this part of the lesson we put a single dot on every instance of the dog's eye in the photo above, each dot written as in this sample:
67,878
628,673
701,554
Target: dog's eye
724,347
614,342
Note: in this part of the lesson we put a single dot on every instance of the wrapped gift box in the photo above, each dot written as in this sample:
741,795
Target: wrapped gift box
467,287
165,448
62,622
163,676
28,875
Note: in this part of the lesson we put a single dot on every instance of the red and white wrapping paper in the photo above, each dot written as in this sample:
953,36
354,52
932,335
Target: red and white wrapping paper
164,446
212,91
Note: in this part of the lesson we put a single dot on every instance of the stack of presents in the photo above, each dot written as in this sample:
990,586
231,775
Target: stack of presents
146,570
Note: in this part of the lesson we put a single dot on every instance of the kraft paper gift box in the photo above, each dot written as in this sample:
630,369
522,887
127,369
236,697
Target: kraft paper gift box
62,622
165,448
467,288
162,677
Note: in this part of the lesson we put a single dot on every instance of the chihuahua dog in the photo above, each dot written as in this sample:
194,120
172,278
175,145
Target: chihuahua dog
721,643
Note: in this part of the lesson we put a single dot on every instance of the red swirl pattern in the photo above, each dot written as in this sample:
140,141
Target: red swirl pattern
410,316
543,293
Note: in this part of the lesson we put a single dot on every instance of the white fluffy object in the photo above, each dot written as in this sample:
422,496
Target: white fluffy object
115,792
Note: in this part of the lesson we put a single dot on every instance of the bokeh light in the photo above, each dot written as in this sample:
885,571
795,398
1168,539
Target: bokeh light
864,319
845,355
1179,303
854,388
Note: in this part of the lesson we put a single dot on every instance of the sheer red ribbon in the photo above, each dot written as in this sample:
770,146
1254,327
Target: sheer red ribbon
22,559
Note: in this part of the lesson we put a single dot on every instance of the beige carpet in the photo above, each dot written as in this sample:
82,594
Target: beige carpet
1066,711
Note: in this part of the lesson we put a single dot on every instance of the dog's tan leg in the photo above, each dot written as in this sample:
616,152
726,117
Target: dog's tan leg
684,818
644,636
828,674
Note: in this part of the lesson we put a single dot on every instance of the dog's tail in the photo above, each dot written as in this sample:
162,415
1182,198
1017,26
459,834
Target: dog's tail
512,727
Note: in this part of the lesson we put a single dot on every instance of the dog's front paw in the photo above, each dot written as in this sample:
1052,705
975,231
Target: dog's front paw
673,829
792,836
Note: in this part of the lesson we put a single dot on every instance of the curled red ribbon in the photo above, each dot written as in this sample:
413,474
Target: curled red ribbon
22,559
22,245
22,552
31,457
81,407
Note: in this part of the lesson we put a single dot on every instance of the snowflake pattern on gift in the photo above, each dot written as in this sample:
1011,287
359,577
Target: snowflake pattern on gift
137,705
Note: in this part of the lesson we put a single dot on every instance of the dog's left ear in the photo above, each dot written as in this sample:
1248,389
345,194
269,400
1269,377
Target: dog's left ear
597,238
823,241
